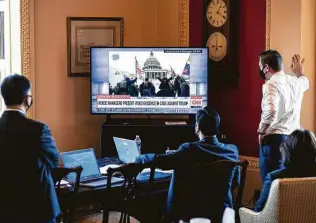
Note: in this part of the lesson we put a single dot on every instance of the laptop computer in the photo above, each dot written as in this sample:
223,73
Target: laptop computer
126,149
128,152
90,175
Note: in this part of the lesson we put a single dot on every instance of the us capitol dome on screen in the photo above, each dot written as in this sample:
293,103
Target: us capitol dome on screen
152,68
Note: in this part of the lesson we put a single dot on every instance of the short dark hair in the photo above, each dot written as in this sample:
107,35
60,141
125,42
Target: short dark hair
299,150
14,89
272,58
146,79
208,120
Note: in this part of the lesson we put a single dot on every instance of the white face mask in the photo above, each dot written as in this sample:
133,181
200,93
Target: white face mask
197,131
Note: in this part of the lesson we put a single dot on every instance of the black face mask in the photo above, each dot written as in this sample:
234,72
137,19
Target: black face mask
262,74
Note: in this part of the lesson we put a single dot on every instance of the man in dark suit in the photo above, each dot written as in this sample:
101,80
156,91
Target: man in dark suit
207,150
28,154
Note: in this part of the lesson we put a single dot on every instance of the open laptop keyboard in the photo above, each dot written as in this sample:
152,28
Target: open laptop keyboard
142,177
108,160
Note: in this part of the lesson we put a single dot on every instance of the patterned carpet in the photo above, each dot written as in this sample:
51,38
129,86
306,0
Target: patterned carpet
97,218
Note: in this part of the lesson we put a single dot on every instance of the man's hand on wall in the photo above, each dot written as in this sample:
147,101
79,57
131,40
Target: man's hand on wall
297,65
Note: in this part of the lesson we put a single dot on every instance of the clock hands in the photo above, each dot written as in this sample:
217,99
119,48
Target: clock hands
218,11
224,17
219,8
216,46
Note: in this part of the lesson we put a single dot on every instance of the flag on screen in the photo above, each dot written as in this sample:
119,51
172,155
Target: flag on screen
138,69
186,70
173,74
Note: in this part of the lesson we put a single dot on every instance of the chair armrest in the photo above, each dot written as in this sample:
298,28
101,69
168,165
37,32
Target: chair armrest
249,211
249,216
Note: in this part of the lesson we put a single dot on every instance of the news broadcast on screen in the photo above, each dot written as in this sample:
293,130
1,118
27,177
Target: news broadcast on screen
148,80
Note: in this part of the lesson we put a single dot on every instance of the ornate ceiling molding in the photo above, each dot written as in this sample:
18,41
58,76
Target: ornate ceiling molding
268,24
27,45
183,23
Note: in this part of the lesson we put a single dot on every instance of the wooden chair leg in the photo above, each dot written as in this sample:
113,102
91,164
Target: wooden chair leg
106,213
71,215
65,216
58,220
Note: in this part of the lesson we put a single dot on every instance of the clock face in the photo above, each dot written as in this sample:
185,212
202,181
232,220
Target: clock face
216,13
217,45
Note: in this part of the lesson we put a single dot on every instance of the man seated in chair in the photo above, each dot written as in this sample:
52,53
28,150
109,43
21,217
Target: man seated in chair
207,150
28,153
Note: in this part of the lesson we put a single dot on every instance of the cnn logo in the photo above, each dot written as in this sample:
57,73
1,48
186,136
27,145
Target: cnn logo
196,102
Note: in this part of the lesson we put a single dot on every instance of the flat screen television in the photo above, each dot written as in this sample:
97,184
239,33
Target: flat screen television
126,80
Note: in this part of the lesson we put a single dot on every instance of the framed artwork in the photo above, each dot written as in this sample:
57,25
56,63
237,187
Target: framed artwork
85,32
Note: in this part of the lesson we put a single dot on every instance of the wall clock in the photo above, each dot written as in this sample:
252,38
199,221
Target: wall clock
217,45
221,22
217,13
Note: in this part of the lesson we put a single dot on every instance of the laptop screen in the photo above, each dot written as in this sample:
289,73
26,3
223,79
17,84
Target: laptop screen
85,158
126,149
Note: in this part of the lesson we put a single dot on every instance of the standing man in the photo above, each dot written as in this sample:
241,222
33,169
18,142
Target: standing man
282,96
28,154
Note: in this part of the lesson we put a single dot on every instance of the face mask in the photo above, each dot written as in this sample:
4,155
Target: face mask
30,105
262,74
196,130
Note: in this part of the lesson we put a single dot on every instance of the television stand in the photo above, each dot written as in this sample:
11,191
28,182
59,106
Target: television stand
175,123
156,134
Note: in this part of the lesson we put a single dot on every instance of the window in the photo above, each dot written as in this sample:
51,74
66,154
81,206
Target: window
10,39
2,35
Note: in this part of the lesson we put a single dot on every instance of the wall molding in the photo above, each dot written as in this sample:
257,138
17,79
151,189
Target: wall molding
183,23
268,24
27,46
253,162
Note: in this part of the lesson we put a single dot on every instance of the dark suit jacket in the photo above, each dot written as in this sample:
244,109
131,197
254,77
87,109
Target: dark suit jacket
204,151
279,174
28,153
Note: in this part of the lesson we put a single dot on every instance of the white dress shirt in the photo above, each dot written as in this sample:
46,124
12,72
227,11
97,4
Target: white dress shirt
281,102
12,109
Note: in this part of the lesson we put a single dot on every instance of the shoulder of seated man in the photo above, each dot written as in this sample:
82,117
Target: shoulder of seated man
232,147
37,126
37,123
189,145
232,150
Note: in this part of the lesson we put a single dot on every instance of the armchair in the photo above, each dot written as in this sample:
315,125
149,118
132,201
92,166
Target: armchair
291,200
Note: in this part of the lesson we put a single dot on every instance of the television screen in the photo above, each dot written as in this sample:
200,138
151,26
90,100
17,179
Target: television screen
148,80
